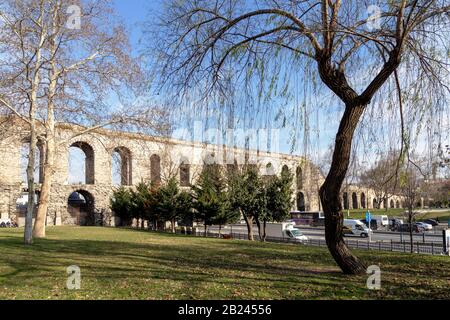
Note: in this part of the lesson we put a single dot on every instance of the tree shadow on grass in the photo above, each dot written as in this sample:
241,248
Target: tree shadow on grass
189,262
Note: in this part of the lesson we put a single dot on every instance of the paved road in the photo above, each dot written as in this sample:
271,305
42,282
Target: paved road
319,234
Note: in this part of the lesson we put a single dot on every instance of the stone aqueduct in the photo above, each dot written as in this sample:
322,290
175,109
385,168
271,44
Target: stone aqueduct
143,158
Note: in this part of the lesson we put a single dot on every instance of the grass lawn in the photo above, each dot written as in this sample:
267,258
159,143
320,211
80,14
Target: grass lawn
361,213
127,264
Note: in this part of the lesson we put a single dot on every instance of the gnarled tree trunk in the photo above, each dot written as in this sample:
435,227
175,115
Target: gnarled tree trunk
330,191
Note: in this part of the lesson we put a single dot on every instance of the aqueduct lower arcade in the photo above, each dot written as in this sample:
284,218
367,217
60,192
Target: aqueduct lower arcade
90,165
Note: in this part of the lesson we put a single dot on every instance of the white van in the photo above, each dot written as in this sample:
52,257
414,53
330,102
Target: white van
284,230
356,227
382,221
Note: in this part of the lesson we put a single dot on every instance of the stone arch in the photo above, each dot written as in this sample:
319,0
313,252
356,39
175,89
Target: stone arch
122,166
185,173
270,170
392,204
345,201
155,168
301,204
285,169
299,178
355,201
81,209
397,204
88,163
363,200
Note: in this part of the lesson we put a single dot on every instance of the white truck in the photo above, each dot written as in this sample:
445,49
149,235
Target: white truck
356,227
382,221
284,230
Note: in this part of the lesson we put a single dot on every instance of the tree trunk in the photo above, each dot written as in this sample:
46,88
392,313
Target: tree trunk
173,225
258,224
50,148
410,218
35,82
249,223
44,199
220,230
330,191
264,231
28,236
206,229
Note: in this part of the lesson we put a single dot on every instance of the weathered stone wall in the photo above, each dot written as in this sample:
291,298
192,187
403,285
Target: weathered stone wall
140,148
100,146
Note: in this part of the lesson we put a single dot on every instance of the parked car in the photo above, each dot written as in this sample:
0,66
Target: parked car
432,222
424,226
373,224
405,228
394,223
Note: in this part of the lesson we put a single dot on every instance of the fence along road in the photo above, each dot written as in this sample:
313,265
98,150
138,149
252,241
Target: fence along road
381,240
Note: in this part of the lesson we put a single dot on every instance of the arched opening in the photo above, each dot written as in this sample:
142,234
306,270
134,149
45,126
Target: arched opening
363,200
354,201
155,169
38,161
299,176
345,200
80,206
392,204
121,167
270,170
375,204
397,205
185,174
301,206
285,170
81,164
385,203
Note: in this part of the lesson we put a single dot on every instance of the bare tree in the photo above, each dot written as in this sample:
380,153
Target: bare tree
411,182
382,178
82,60
201,43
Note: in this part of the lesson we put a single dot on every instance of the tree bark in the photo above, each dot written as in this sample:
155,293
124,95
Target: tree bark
264,231
249,223
258,224
330,191
28,236
41,215
35,82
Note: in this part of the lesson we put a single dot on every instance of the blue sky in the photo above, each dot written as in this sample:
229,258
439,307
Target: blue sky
135,12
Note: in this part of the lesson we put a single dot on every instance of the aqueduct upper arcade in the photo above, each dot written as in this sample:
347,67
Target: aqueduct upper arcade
109,159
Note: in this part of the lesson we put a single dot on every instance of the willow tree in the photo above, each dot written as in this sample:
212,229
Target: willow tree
355,47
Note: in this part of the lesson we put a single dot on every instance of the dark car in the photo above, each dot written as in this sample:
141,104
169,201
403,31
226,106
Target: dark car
432,222
405,228
373,223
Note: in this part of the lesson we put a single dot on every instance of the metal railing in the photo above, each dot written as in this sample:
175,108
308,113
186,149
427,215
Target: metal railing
430,248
